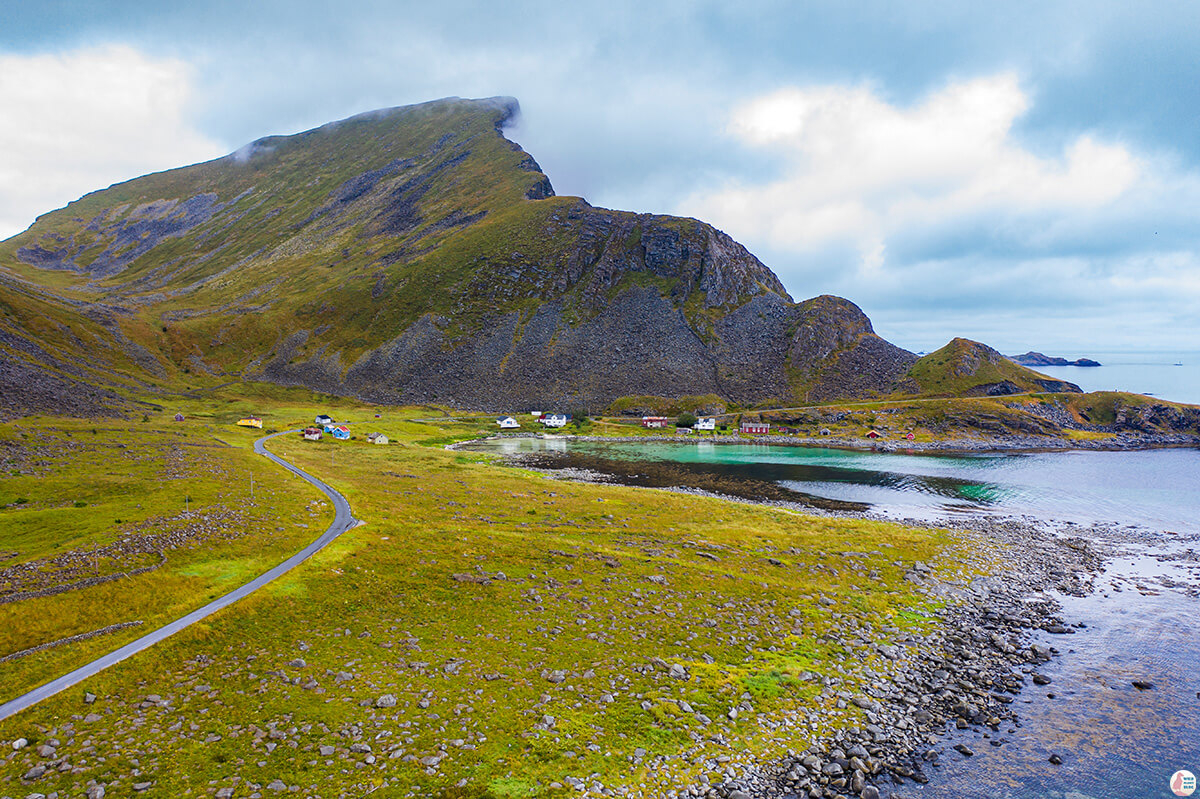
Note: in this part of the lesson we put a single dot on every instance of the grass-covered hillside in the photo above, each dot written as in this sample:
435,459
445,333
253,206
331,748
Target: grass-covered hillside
965,368
416,254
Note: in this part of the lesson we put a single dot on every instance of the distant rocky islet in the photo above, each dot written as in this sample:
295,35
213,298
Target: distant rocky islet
1033,358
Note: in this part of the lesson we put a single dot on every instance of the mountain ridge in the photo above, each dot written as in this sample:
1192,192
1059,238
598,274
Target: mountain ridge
415,254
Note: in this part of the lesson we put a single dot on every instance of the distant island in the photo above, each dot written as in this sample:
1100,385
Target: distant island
1038,359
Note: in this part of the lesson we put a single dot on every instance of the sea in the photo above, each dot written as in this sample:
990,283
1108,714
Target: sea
1173,376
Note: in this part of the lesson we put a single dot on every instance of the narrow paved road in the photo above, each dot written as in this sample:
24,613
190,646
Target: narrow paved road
342,521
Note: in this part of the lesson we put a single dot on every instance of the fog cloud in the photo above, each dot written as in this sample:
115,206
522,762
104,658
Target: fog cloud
78,121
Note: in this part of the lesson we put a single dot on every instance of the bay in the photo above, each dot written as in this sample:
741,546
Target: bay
1148,372
1158,489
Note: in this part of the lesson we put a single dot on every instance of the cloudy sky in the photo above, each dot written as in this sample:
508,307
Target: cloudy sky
1024,173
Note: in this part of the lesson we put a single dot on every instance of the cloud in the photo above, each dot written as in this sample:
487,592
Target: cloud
939,206
856,169
81,120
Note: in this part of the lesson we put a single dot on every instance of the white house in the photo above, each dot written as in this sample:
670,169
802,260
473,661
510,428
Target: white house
508,423
706,423
377,438
324,419
555,420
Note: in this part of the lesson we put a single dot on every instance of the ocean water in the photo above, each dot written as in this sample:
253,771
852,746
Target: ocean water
1152,373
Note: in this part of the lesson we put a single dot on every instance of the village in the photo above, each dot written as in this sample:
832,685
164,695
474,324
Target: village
685,424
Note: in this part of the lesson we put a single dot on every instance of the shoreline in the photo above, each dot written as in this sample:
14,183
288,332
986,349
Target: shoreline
964,673
1011,444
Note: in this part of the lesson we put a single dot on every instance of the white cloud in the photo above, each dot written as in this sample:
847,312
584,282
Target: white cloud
79,121
856,171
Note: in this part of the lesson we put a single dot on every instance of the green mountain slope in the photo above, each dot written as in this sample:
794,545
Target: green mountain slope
415,254
965,368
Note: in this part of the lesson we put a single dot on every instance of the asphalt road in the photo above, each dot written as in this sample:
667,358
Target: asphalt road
342,521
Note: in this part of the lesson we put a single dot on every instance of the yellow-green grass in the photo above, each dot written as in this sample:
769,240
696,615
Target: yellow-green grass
80,486
597,581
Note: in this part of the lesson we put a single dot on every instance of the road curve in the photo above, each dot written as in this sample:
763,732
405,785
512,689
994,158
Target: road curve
342,521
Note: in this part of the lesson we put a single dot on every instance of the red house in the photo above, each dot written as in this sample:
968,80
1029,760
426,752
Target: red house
655,421
755,428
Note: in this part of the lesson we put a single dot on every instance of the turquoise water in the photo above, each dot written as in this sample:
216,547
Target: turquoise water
1140,372
1152,488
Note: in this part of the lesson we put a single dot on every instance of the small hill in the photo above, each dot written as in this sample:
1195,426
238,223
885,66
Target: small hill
965,368
415,254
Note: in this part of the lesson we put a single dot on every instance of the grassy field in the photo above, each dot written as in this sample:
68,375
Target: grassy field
488,632
88,501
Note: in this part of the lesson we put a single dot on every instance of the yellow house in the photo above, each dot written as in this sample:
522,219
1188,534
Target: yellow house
250,421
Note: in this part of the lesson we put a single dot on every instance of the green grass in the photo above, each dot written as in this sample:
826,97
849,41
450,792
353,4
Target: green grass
577,596
962,365
87,484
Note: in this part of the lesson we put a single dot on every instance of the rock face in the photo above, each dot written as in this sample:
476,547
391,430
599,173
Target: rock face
414,255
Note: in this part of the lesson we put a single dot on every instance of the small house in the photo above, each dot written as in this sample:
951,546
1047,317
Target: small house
654,421
324,419
508,423
312,434
909,436
179,417
250,421
377,438
755,428
706,423
554,420
683,431
339,431
873,434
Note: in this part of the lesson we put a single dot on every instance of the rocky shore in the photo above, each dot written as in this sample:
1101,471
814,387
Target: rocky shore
964,673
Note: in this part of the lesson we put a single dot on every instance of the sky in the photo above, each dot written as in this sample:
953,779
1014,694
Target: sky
1024,173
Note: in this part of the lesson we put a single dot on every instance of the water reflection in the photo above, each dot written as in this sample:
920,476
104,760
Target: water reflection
1159,488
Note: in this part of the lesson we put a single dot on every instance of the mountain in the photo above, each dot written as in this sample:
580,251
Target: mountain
1038,359
413,254
965,368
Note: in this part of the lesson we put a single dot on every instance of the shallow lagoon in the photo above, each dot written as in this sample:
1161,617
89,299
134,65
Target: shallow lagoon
1159,489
